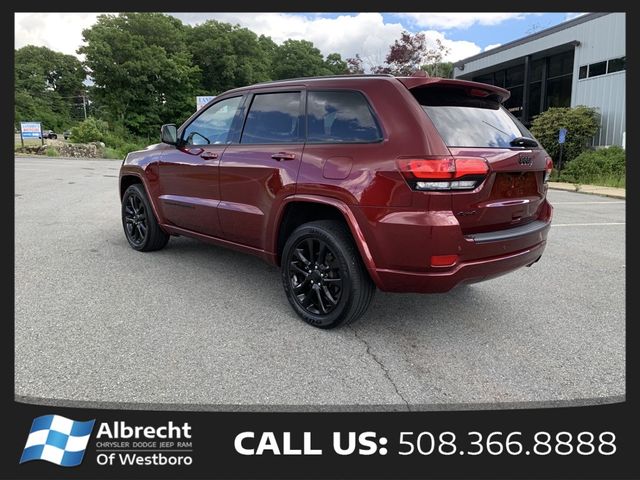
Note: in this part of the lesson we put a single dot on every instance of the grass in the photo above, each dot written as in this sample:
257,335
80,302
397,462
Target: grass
599,180
51,152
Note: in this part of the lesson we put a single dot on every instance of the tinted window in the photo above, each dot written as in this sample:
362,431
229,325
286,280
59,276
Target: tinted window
334,117
514,76
468,121
561,64
583,72
213,125
616,65
596,69
273,118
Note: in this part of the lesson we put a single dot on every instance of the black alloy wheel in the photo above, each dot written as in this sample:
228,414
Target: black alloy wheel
135,220
315,276
140,225
323,276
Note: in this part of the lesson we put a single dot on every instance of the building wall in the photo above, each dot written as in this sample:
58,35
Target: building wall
601,38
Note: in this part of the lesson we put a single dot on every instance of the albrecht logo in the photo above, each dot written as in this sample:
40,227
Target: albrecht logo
57,440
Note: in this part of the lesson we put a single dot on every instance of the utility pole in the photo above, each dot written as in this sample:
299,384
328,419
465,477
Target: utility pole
84,106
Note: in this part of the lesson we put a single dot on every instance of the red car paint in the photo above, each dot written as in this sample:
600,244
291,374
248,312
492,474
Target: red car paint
235,195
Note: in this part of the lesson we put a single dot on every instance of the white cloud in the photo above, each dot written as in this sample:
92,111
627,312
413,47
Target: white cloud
61,32
572,15
462,19
493,45
365,33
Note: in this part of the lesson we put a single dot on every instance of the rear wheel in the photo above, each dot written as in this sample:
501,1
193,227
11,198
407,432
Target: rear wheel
140,225
323,275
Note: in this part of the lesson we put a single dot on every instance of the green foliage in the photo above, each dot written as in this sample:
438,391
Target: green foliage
439,69
91,130
298,58
142,69
336,65
47,86
605,166
229,56
581,123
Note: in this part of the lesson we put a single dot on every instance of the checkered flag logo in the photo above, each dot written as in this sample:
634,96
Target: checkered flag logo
57,440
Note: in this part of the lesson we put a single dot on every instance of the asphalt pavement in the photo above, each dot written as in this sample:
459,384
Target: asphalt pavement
200,327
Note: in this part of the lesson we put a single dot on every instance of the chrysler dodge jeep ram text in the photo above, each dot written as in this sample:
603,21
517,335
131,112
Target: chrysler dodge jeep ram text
348,183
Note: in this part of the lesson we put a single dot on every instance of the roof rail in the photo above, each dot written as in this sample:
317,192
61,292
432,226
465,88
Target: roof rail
328,77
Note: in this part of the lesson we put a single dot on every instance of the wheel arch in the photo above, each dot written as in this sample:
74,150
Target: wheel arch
299,209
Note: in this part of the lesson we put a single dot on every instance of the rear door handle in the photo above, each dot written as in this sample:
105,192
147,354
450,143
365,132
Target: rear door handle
283,156
209,155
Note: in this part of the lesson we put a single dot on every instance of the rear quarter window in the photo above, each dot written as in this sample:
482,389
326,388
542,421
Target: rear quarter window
464,121
340,117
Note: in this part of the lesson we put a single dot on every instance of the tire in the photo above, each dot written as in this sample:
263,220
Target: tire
139,222
325,286
54,137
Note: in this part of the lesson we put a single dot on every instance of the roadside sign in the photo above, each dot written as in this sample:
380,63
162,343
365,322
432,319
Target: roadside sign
31,129
562,135
201,101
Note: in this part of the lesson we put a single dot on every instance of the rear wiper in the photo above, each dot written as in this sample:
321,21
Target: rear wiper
523,142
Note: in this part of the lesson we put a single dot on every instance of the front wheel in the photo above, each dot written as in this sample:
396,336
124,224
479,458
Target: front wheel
323,275
140,225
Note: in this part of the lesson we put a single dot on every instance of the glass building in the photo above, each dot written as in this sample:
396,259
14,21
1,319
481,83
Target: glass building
578,62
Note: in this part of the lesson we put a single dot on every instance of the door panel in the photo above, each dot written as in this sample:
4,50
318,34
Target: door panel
251,184
189,183
189,188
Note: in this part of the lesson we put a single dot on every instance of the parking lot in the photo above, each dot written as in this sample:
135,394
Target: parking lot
195,326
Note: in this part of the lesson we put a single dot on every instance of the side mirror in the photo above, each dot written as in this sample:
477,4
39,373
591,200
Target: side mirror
169,134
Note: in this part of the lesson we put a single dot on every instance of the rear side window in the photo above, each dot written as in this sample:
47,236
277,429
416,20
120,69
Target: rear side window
273,118
464,121
340,117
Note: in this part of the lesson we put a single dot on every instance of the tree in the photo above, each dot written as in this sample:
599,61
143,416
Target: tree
229,56
581,123
439,69
142,70
298,58
48,85
336,65
411,52
355,65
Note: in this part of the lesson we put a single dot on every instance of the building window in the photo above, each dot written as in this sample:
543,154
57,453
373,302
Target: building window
583,72
617,64
596,69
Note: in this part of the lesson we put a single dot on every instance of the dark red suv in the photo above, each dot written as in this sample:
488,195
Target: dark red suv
407,184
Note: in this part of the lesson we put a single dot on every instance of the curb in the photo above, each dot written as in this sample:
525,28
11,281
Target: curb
619,193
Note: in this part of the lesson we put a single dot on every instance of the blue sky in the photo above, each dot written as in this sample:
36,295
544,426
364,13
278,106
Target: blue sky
368,34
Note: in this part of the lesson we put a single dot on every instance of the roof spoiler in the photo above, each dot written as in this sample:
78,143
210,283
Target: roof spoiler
474,88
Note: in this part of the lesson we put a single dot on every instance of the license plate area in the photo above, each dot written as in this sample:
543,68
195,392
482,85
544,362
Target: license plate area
514,185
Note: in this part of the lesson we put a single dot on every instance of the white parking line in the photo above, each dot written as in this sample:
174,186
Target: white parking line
585,224
586,203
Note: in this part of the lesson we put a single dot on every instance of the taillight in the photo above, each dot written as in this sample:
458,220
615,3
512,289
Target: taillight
444,173
548,168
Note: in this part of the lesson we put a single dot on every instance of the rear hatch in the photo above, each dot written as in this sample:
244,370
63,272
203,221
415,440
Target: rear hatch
474,125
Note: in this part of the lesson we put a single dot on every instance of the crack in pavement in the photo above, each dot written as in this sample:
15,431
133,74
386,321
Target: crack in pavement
382,365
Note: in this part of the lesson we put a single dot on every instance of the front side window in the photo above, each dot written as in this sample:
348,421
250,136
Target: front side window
340,117
273,118
213,126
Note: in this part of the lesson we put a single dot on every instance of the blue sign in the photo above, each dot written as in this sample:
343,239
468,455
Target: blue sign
562,135
31,129
201,101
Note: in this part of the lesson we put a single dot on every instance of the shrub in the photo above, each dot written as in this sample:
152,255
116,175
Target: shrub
91,130
51,152
581,123
605,166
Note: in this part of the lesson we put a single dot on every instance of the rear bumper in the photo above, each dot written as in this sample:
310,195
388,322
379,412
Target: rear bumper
403,244
466,272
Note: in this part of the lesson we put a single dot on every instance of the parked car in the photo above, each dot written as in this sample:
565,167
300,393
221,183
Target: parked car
407,184
66,134
49,134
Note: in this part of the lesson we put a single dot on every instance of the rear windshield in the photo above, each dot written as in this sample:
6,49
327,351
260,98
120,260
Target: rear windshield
464,121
